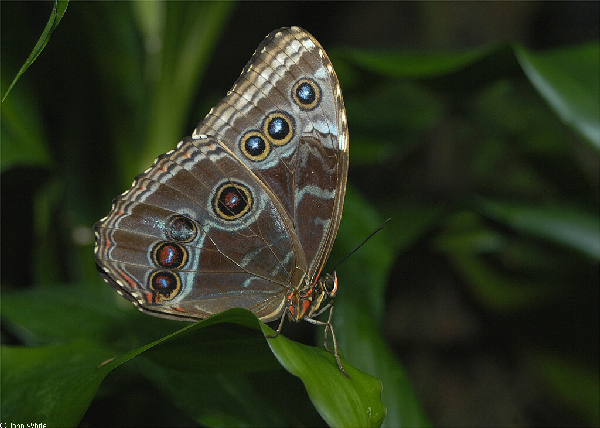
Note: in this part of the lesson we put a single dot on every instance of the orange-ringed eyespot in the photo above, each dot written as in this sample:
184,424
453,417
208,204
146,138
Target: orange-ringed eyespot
165,285
279,128
181,229
254,146
169,255
306,93
232,201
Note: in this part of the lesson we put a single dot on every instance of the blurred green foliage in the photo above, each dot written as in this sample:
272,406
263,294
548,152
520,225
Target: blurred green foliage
486,160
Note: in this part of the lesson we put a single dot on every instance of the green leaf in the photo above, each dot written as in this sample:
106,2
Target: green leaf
496,291
67,312
564,225
418,111
235,399
54,384
415,64
341,401
568,80
468,243
221,372
59,9
228,343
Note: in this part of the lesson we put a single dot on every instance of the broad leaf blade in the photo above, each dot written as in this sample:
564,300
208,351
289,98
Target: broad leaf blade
341,401
220,348
561,224
573,94
54,384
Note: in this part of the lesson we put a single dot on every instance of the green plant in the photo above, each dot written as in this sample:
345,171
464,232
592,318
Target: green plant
488,158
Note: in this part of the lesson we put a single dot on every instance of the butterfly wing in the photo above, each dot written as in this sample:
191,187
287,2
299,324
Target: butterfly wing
243,209
187,240
291,75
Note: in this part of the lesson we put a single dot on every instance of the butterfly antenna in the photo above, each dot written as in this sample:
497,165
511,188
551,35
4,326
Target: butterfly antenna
362,243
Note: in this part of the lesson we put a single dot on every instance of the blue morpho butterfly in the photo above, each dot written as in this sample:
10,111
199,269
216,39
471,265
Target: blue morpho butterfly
244,212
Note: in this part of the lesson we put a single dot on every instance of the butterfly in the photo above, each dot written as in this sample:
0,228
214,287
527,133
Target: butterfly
244,212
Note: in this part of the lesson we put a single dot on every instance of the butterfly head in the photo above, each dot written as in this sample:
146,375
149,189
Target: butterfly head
328,284
305,302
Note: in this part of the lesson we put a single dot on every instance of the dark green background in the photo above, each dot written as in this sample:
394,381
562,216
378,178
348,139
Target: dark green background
482,289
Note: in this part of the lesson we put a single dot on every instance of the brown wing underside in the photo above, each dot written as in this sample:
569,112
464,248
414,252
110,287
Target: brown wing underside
293,195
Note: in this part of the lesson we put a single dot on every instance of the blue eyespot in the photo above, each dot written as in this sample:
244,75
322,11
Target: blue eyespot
306,93
279,128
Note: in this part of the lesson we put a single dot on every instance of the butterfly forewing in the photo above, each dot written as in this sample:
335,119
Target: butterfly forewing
308,173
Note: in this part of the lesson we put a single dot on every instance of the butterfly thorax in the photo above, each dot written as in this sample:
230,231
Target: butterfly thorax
305,302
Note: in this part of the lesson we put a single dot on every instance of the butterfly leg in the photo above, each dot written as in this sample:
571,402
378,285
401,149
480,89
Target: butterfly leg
278,331
329,326
328,323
